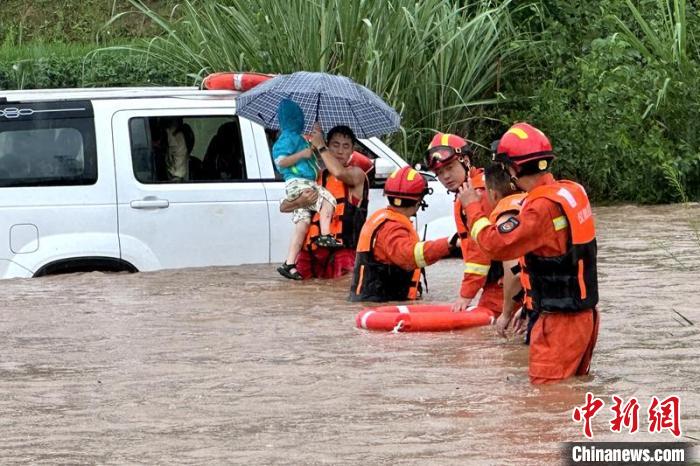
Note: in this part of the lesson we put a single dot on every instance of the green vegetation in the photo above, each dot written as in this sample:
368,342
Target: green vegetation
615,84
61,66
24,22
616,88
403,50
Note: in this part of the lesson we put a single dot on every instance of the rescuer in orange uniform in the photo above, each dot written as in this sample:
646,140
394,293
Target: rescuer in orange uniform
554,234
449,156
507,199
390,255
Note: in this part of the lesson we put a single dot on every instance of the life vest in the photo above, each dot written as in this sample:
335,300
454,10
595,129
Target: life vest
348,218
234,81
495,272
509,204
566,283
376,281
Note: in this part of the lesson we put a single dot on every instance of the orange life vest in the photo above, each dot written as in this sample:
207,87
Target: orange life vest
376,281
495,272
348,218
566,283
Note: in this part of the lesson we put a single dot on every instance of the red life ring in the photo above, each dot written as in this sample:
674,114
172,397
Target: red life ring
422,318
234,81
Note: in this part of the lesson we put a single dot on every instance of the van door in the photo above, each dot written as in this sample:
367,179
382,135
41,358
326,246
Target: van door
57,193
188,189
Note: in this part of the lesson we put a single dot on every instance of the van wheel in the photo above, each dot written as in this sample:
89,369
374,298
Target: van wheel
86,264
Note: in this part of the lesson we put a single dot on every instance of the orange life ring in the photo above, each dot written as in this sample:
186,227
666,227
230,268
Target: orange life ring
234,81
361,161
422,318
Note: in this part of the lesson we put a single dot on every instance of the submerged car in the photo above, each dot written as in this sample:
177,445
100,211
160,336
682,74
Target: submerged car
84,183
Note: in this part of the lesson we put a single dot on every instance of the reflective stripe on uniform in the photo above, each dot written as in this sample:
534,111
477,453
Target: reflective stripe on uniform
476,269
479,225
418,255
560,223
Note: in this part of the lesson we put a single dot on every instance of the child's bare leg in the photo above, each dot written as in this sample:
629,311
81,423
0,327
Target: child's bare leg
326,215
297,241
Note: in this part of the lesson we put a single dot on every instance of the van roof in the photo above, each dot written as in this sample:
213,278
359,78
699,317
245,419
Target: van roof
105,93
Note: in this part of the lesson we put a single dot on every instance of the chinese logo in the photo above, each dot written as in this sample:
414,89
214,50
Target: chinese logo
661,414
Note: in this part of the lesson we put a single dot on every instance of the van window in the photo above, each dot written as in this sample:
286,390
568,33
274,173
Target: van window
187,149
47,152
271,135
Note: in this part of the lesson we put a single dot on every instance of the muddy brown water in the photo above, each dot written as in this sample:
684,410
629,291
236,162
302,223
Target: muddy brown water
237,365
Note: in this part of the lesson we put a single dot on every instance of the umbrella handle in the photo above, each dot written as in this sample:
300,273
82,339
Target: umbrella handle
318,109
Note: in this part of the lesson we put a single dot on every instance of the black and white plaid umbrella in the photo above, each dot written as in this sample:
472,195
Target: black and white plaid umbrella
331,100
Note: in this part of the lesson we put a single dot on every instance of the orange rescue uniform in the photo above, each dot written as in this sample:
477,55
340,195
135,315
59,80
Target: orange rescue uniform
390,257
561,342
479,271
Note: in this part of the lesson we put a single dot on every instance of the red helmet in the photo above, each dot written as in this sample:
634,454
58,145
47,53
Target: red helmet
523,143
444,148
405,183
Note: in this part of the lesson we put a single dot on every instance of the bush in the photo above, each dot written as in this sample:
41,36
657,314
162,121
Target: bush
61,66
616,102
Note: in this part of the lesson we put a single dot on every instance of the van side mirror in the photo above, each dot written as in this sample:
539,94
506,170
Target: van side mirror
429,176
383,168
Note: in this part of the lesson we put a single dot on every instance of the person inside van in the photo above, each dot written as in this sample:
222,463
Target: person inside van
296,161
170,149
176,155
223,160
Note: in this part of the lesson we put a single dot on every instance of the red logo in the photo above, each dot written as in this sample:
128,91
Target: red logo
662,415
665,415
587,412
625,416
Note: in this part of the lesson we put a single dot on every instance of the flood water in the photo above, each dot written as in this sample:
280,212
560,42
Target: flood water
238,365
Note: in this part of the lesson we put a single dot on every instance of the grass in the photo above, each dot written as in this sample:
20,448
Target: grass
439,64
73,21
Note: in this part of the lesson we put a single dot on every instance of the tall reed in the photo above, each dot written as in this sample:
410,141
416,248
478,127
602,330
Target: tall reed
436,62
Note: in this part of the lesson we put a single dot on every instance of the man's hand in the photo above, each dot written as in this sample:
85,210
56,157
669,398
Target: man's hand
317,136
519,324
461,304
307,153
455,243
307,197
467,194
502,324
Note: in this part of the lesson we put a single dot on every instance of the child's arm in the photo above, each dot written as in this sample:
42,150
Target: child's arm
289,160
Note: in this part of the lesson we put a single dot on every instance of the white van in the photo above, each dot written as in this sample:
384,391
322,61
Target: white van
83,185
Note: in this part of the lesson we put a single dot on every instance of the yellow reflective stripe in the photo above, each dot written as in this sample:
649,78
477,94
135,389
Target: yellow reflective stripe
476,269
520,133
418,255
445,140
560,223
411,174
479,225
